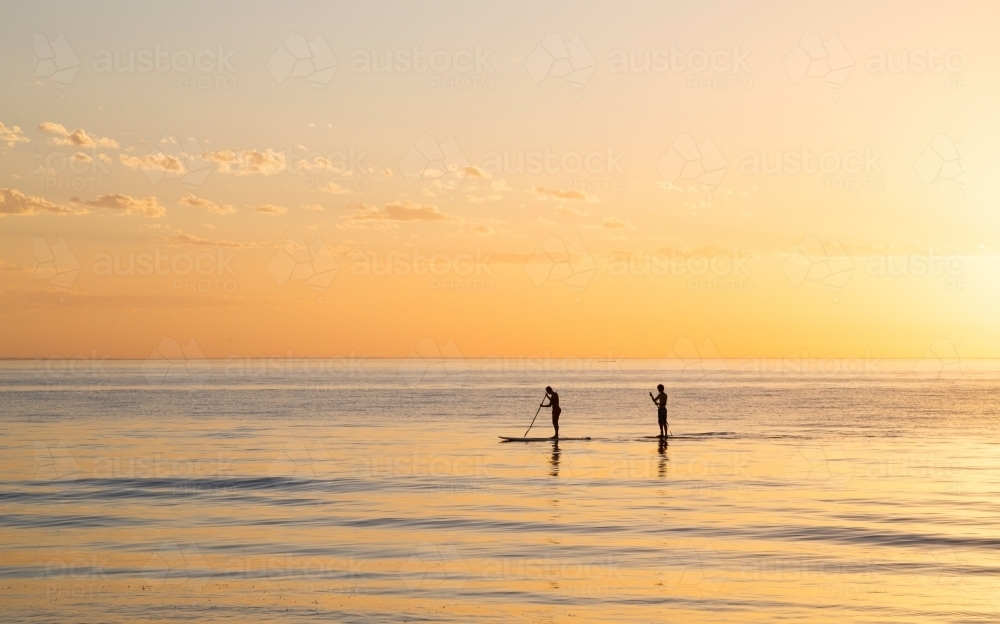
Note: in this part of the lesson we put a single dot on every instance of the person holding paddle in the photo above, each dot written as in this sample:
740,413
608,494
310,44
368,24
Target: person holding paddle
661,409
553,398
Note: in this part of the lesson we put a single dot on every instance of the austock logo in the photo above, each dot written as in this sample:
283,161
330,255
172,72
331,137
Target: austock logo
941,361
300,459
56,61
435,566
689,160
173,160
171,362
431,363
686,361
445,163
940,161
814,260
55,263
175,566
556,261
297,261
298,58
557,58
826,467
54,462
814,58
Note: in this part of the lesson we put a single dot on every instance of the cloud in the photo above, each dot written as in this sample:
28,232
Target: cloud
125,203
500,185
483,230
152,162
333,188
77,138
615,222
570,211
313,207
315,165
189,239
473,171
269,209
387,173
12,268
428,193
545,193
81,157
11,135
479,200
401,211
14,202
204,204
248,162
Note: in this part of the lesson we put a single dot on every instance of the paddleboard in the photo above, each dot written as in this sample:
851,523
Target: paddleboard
693,436
510,439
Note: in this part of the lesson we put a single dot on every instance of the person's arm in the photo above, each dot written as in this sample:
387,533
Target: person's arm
544,404
652,398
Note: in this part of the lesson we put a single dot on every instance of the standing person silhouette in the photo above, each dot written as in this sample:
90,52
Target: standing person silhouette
553,398
661,409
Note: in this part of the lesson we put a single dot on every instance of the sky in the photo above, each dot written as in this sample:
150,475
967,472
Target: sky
519,180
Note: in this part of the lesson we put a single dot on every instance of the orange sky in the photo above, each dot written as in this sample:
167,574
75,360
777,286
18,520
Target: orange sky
789,180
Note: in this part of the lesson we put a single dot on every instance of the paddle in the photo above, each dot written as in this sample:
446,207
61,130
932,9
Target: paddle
533,419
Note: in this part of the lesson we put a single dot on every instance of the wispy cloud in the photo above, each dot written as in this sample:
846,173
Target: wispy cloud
12,135
190,239
546,193
125,204
489,198
204,204
14,202
571,211
616,223
76,138
12,268
401,211
152,162
247,162
268,209
475,172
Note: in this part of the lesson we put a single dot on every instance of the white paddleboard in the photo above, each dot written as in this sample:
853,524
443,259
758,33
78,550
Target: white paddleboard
510,439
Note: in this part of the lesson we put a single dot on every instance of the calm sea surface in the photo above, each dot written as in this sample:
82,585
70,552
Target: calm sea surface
357,491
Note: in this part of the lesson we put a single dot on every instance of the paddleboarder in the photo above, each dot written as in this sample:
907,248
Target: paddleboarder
553,398
661,409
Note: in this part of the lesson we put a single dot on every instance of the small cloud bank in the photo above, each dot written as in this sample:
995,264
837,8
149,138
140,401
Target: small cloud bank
401,211
204,204
14,202
124,204
76,138
547,193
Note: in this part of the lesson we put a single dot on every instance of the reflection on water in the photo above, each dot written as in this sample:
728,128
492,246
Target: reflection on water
303,494
662,463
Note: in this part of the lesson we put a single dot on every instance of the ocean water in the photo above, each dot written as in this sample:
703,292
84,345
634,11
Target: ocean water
253,490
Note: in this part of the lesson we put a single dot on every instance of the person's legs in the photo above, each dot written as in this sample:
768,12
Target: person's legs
555,421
